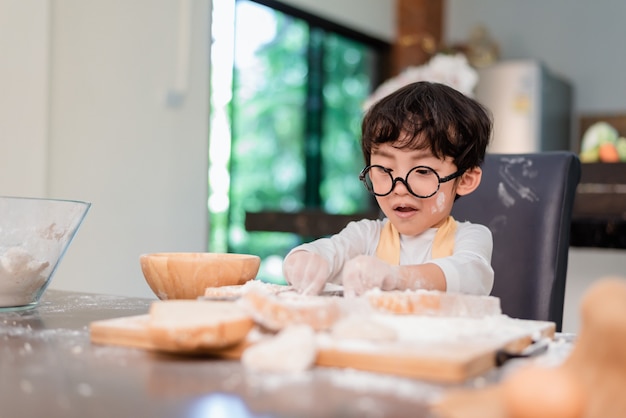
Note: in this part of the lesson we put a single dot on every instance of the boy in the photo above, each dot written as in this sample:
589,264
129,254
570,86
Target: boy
423,147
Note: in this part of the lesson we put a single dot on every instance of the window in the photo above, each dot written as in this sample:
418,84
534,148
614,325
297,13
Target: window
287,93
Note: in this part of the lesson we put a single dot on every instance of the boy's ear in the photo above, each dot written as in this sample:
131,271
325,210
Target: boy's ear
469,181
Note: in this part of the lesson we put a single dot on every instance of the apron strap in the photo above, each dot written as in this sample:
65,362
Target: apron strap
388,248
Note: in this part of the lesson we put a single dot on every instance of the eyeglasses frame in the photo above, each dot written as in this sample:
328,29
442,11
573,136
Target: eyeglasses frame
404,180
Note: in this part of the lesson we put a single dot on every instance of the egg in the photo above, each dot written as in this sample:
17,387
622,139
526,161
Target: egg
543,392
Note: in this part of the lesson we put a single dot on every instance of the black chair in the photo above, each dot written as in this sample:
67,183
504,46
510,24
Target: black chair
526,201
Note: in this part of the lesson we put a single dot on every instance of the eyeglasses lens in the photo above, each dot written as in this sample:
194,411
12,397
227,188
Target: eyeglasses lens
422,181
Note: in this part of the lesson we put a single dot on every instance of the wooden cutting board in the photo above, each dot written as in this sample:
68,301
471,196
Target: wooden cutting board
441,361
129,331
133,331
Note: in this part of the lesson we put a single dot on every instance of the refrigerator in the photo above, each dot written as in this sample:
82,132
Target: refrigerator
531,107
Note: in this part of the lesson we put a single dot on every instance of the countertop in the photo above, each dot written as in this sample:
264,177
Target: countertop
49,368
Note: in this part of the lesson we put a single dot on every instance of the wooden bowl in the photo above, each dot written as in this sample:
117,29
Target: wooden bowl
187,275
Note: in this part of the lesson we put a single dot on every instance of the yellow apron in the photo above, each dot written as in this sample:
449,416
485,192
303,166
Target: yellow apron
389,244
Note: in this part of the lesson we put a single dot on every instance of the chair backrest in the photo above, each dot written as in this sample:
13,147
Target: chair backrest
526,201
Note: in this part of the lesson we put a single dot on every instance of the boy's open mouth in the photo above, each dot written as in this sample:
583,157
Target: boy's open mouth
404,209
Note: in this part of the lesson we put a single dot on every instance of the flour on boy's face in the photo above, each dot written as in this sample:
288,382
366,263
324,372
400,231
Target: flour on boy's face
440,204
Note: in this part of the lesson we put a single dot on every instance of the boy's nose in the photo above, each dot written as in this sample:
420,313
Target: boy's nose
399,186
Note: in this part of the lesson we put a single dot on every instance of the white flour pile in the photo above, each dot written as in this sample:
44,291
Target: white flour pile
414,331
21,276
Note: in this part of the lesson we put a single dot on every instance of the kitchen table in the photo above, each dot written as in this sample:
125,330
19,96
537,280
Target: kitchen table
49,368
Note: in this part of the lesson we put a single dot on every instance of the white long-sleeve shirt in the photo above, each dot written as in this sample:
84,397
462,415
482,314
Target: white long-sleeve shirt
467,270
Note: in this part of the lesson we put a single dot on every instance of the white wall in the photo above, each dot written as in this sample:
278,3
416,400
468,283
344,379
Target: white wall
115,142
582,41
24,50
84,117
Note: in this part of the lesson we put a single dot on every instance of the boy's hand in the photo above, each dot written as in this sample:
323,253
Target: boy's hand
367,272
306,271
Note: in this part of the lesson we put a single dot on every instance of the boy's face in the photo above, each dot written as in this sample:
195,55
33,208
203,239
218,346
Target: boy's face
412,215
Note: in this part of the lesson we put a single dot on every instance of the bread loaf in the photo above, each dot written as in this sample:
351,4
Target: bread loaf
276,312
434,303
235,291
195,326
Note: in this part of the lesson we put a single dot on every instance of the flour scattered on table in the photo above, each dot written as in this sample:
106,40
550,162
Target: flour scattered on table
367,382
291,350
84,389
26,386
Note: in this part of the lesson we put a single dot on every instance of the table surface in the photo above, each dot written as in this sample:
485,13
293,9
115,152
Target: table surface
49,368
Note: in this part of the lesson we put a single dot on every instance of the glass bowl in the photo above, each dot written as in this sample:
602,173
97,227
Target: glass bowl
35,233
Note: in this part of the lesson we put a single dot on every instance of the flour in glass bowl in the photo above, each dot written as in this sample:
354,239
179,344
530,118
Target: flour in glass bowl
34,235
21,276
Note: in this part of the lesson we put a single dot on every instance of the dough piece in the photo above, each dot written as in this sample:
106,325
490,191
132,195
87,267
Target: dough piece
194,326
291,350
598,359
544,392
434,303
363,328
276,312
235,291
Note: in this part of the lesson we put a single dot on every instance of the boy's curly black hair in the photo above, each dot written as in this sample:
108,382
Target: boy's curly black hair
426,115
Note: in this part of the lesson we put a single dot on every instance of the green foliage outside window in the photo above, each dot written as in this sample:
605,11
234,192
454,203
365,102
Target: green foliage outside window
272,137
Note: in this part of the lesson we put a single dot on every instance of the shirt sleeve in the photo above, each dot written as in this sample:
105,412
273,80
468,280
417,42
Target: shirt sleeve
468,269
357,238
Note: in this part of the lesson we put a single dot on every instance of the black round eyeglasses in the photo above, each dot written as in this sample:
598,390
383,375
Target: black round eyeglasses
421,181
